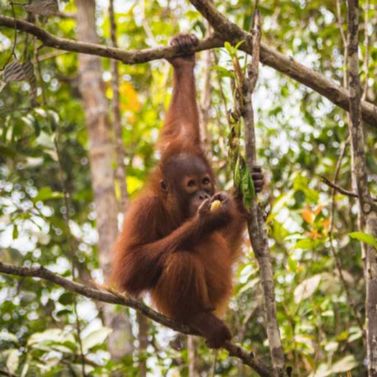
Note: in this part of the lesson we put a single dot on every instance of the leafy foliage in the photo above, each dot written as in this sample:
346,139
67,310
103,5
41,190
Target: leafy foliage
44,154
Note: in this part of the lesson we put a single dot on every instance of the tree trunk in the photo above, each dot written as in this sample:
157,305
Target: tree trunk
101,156
367,208
143,343
192,344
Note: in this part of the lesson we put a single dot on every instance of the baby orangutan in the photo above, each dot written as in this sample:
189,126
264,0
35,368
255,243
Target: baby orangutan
180,237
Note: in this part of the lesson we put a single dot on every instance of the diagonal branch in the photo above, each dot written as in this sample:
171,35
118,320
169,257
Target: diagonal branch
225,31
286,65
339,188
112,297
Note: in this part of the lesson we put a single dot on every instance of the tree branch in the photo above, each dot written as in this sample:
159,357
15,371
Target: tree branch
225,31
113,297
255,223
287,65
126,57
338,188
367,216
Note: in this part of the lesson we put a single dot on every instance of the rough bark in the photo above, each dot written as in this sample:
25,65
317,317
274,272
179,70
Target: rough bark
367,208
101,156
120,174
111,297
230,32
142,322
256,228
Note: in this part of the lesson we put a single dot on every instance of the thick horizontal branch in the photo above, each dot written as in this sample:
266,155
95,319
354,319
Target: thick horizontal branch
226,31
126,57
112,297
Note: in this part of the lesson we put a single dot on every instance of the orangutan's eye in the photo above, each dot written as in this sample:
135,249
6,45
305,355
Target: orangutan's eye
191,183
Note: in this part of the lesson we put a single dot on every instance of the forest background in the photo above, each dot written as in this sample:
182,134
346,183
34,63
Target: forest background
77,140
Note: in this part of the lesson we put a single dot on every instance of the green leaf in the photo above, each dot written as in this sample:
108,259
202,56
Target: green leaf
237,173
7,340
306,288
15,232
307,244
223,72
40,339
247,188
6,336
13,361
237,46
343,365
66,298
229,48
45,193
95,338
364,237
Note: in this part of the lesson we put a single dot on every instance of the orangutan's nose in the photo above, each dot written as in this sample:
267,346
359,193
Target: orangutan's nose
203,195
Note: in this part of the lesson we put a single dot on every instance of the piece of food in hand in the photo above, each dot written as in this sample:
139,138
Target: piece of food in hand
216,204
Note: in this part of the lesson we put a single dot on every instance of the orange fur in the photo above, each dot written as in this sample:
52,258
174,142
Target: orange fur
184,260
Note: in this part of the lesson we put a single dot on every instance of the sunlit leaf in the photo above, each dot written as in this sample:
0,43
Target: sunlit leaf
13,360
306,288
364,237
345,364
95,338
223,72
46,193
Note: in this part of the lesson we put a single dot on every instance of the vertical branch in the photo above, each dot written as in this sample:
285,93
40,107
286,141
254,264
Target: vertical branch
367,209
334,252
120,172
339,21
101,154
366,42
143,326
192,356
256,228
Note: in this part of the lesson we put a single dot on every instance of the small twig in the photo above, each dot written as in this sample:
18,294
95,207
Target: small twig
340,22
112,297
366,57
341,189
39,70
334,252
338,188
